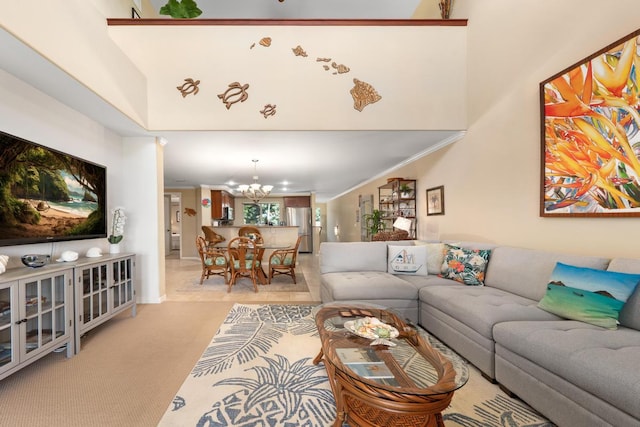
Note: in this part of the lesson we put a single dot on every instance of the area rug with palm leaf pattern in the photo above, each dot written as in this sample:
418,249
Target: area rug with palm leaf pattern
258,371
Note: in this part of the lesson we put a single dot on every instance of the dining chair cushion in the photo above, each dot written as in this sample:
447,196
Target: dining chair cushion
220,261
288,260
247,263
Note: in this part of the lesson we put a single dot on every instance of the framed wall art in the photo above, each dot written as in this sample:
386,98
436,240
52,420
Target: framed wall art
435,200
590,132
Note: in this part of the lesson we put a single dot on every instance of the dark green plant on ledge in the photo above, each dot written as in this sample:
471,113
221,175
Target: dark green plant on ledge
181,9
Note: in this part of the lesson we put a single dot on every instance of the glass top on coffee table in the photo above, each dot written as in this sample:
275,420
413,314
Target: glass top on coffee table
371,343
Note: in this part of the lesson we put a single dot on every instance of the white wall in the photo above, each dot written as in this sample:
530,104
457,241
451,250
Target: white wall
141,170
32,115
492,175
131,169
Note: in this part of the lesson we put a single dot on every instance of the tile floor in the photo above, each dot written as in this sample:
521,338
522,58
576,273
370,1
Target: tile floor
178,271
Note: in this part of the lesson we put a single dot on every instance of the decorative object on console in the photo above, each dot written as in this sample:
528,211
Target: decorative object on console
4,260
435,200
34,261
118,220
588,295
589,129
68,256
465,265
255,192
94,253
181,9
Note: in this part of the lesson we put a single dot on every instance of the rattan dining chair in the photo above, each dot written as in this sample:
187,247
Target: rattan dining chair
211,236
245,258
250,232
214,261
283,261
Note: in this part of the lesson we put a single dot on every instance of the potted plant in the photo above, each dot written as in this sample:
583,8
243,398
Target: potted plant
181,9
405,190
374,222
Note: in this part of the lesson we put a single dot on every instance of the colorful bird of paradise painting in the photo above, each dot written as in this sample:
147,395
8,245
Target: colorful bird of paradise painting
592,135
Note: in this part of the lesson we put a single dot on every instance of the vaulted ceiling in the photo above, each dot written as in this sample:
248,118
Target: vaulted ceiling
327,161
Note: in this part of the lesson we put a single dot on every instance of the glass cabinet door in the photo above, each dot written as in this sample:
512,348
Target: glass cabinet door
122,282
45,305
7,355
94,292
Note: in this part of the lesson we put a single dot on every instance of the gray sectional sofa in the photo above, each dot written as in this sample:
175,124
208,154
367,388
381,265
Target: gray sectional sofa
574,373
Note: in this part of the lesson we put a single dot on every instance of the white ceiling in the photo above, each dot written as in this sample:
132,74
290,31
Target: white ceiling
327,163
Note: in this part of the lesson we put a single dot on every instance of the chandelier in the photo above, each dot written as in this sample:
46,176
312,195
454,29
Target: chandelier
255,192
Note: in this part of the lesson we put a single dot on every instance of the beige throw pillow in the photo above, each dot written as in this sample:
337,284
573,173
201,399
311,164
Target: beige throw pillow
435,256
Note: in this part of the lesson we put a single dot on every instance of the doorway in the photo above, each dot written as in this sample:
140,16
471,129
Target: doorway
173,224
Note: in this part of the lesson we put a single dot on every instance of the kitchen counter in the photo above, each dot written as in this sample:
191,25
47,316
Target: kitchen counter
274,236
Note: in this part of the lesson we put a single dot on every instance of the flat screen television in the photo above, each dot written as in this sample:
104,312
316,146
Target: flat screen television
47,195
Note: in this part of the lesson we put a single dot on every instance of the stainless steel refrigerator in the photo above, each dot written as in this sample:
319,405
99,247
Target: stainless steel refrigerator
301,217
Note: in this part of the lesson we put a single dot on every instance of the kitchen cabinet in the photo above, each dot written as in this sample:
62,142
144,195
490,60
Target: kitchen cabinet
221,202
36,316
397,198
297,202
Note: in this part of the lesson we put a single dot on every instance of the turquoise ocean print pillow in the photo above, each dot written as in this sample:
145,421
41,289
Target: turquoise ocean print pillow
588,295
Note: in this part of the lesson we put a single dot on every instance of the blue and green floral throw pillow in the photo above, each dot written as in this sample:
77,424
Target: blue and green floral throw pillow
588,295
465,265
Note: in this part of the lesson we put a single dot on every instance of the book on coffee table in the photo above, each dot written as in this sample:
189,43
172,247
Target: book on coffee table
371,370
357,355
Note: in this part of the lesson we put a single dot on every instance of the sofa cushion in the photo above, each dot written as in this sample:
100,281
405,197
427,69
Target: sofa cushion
370,285
465,265
630,313
600,361
435,256
588,295
430,280
353,256
482,307
525,272
407,260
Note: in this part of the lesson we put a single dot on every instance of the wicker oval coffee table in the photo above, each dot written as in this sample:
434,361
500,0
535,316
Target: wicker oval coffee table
408,383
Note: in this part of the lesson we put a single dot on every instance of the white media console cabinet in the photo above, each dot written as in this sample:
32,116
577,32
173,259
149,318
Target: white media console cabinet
51,307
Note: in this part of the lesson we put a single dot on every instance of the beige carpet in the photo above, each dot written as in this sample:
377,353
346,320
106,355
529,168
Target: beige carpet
126,374
280,283
257,370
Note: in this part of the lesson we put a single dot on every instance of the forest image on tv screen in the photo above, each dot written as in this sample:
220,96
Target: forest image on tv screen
46,195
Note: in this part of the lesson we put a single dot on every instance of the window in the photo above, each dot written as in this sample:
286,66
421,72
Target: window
261,213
